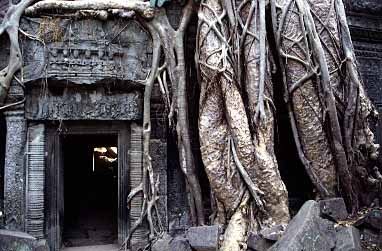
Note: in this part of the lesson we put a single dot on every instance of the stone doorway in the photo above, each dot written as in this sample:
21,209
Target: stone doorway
85,194
90,190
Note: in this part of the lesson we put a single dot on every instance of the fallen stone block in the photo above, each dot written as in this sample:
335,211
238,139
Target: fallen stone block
256,242
348,239
204,238
307,231
334,209
16,241
42,245
180,244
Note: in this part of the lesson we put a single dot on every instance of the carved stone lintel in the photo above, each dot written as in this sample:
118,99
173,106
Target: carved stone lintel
84,104
85,51
369,58
14,172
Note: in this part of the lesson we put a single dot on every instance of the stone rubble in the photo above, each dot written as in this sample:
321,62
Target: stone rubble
204,238
317,226
333,209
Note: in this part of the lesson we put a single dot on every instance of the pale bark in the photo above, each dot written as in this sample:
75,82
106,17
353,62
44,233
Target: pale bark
267,174
325,96
10,25
223,116
305,100
172,42
326,101
142,8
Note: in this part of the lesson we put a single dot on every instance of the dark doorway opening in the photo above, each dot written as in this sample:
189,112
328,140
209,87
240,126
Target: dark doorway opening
90,190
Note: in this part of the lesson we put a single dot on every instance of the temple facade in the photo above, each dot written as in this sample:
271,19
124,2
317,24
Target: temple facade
83,95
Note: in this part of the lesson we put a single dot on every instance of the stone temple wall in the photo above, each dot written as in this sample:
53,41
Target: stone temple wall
365,20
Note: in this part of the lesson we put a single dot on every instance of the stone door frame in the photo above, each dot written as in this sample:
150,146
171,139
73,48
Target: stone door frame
54,172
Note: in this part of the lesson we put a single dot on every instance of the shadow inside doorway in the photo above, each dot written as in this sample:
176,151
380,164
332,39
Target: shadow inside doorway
90,190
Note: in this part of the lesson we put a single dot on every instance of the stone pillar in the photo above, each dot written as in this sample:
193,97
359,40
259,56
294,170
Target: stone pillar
139,237
35,180
14,171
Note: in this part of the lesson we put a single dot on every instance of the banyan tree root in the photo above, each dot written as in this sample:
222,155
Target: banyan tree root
10,25
259,91
172,42
329,109
214,131
304,97
327,104
140,7
240,164
149,185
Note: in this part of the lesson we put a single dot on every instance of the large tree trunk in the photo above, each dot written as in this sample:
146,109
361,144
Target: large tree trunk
259,88
306,101
327,104
329,109
240,164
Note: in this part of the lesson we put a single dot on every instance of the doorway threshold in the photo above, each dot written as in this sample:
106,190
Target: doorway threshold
110,247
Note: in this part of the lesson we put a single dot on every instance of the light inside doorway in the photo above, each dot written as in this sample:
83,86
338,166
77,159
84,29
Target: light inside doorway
90,171
108,155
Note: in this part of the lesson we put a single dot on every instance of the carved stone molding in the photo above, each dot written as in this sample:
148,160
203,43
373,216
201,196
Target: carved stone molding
365,6
369,57
35,180
14,171
83,104
365,27
85,51
139,238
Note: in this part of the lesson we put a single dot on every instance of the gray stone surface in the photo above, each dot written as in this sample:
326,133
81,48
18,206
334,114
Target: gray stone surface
158,152
42,245
272,233
81,103
333,208
257,243
109,247
35,184
14,173
348,239
163,244
180,244
86,51
204,238
16,241
307,231
366,6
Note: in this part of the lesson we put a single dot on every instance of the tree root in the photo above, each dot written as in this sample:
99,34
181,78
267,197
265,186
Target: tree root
226,72
140,7
10,25
343,123
172,42
253,189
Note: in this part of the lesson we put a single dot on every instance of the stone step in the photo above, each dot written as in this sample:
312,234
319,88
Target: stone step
111,247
